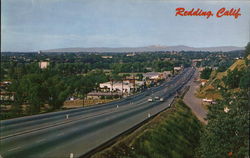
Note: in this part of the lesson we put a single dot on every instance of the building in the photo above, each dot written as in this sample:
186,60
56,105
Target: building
167,59
43,64
121,86
107,57
178,68
157,75
152,75
124,87
5,84
6,96
130,55
196,60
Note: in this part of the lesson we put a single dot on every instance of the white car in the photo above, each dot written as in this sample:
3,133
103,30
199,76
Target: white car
150,99
161,99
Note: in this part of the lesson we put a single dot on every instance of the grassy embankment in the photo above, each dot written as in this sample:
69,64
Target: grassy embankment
209,89
174,133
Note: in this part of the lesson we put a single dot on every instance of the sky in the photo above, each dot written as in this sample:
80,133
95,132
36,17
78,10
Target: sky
32,25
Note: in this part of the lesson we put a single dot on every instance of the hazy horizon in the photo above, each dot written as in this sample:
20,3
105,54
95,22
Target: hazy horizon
151,48
32,25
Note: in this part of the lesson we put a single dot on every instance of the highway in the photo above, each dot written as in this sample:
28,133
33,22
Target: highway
54,135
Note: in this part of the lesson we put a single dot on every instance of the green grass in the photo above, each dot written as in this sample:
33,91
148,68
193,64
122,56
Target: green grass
176,137
174,134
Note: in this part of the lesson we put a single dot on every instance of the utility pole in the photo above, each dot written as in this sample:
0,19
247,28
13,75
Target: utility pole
122,87
83,96
133,80
134,83
112,88
83,103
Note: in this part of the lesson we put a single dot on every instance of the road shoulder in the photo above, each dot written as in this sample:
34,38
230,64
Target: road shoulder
194,103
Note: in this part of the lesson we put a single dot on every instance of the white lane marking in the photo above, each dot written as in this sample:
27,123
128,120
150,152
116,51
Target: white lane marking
40,140
14,148
149,115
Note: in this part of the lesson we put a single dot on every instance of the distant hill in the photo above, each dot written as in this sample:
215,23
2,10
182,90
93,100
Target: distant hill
145,49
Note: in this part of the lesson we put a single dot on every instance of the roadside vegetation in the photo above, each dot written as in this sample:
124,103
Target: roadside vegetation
227,131
38,91
174,133
205,74
177,136
233,78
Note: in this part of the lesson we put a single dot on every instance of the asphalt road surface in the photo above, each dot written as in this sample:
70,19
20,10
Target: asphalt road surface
77,131
193,102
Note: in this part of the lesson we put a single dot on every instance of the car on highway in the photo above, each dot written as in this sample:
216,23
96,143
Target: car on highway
150,99
161,99
156,98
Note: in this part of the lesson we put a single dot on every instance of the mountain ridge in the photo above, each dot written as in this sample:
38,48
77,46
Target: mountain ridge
143,49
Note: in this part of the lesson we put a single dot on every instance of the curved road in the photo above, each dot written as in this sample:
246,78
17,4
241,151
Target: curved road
55,135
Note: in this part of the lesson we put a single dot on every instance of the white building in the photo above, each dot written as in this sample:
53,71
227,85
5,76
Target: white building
139,83
107,57
130,55
152,75
177,68
117,86
43,64
6,96
125,86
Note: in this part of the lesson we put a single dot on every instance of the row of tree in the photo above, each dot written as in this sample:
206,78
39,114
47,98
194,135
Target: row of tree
48,89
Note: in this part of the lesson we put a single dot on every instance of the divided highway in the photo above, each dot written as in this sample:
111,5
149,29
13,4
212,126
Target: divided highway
78,131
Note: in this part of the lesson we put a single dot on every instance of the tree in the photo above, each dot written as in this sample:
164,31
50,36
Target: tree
2,73
247,50
57,92
245,80
232,79
29,89
227,132
19,97
205,74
